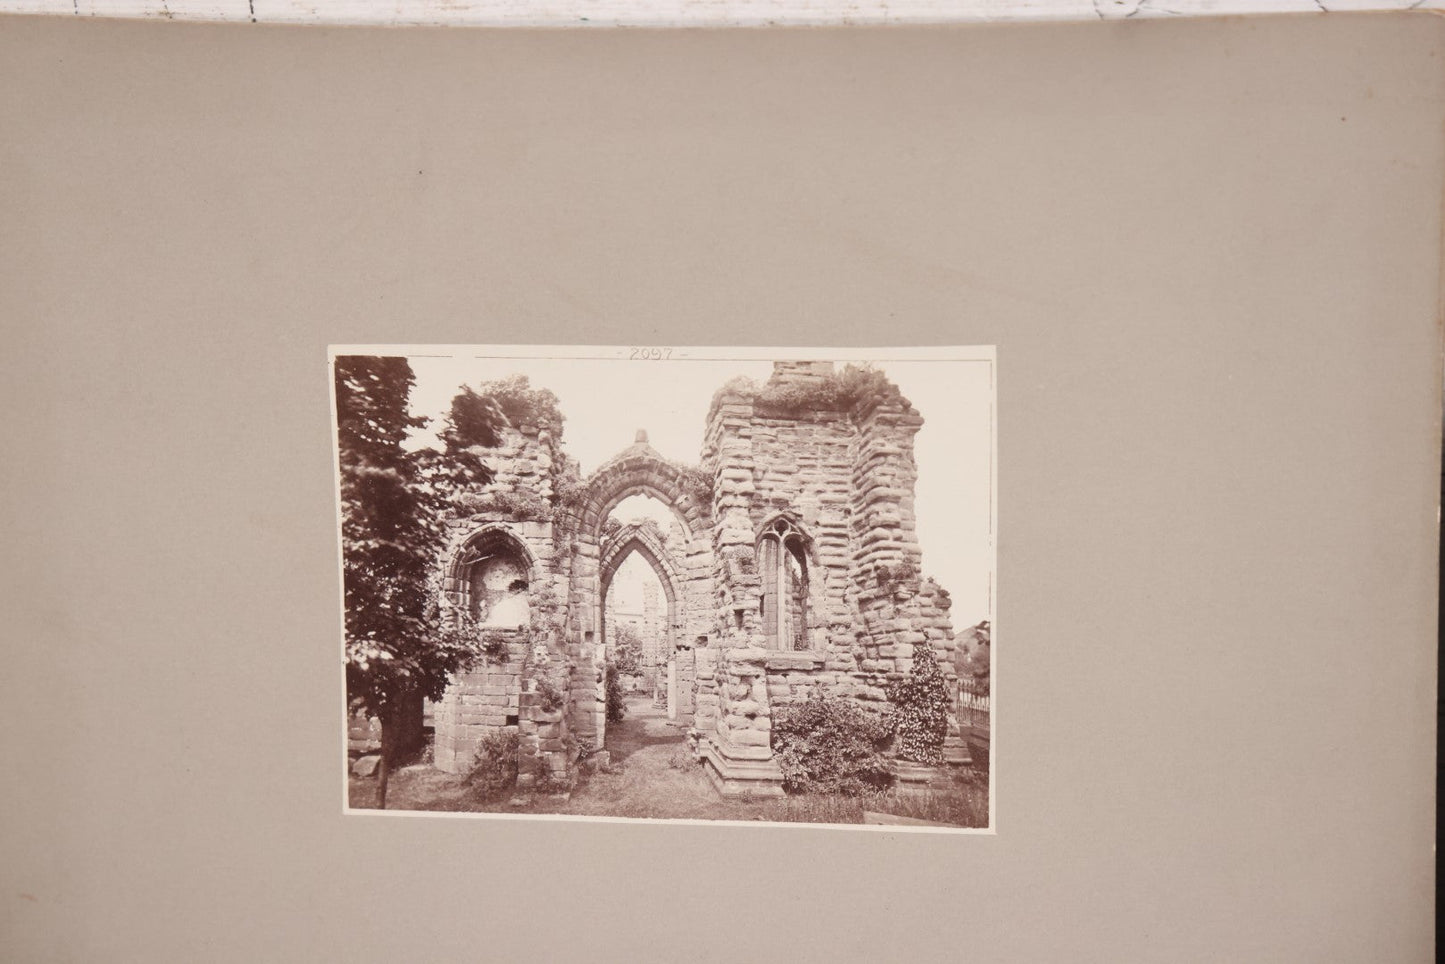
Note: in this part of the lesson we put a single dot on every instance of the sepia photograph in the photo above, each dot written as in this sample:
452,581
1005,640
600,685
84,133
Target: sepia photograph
675,584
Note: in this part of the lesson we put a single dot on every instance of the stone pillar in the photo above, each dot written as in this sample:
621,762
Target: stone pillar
672,689
737,750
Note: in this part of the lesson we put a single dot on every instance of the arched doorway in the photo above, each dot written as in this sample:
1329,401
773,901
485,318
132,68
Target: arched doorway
641,543
684,565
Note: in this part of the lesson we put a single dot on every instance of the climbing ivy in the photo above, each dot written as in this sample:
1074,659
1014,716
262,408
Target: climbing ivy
920,704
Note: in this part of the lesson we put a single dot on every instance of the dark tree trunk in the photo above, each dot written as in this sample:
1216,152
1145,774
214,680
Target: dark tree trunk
410,735
402,738
388,753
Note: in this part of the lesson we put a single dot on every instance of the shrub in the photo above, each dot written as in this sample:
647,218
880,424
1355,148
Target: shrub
494,646
697,482
629,659
978,659
551,781
568,493
831,745
517,506
920,705
616,708
548,695
893,578
494,767
859,383
792,398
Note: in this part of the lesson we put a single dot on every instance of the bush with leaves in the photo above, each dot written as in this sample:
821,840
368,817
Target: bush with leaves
858,383
517,506
742,558
569,494
899,576
494,642
977,659
616,705
920,702
842,391
494,766
697,482
831,745
549,696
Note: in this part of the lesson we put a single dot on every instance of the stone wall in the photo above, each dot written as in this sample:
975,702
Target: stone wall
833,456
510,524
683,561
481,701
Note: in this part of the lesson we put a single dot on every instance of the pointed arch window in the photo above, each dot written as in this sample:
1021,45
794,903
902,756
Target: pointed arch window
783,565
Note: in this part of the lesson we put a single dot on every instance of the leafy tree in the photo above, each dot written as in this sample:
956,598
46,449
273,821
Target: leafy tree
475,422
479,417
971,657
399,648
626,648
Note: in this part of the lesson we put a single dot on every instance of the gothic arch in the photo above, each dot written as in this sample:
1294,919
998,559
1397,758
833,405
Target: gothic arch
685,569
491,540
639,540
639,470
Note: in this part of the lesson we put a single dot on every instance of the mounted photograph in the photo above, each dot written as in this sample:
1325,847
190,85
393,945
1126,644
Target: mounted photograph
668,584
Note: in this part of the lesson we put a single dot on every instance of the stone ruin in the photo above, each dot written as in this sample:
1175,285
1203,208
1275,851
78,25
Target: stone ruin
796,568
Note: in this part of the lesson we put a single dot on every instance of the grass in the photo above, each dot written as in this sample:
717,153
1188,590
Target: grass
653,776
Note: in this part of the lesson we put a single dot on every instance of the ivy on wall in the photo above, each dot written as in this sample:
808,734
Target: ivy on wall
920,703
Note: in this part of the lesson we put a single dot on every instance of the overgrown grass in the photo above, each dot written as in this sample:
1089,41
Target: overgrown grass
963,805
660,783
653,776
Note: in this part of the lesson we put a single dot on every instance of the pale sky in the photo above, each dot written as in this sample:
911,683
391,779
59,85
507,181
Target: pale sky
606,398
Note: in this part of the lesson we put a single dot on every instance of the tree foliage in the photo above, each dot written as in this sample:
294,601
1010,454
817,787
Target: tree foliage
494,766
399,646
626,648
477,421
976,661
478,417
